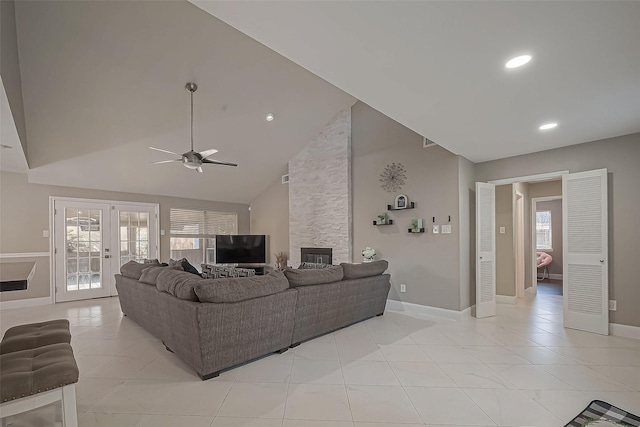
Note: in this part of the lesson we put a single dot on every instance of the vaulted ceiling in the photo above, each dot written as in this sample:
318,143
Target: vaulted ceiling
438,66
103,81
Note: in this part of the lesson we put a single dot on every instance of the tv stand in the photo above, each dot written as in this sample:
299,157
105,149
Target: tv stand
261,270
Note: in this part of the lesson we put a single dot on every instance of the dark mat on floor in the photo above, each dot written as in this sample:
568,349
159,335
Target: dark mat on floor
602,414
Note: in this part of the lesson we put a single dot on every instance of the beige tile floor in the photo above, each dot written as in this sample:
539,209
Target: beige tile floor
520,368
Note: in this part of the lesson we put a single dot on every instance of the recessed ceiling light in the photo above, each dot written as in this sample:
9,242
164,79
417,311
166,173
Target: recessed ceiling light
269,117
548,126
518,61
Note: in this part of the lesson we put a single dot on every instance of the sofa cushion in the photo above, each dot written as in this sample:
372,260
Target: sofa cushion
234,289
180,284
133,270
318,276
366,269
150,274
313,265
186,266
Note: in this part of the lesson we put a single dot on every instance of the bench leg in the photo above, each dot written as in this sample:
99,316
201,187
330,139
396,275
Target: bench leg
7,421
69,409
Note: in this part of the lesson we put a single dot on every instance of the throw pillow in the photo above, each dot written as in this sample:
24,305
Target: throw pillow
150,274
318,276
366,269
133,270
180,284
186,266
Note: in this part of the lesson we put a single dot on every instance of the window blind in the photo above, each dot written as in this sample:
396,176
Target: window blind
186,222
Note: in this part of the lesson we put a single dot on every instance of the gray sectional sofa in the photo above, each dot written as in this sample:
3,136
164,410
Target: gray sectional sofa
214,324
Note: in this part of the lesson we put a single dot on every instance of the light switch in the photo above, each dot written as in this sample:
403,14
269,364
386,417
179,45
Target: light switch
436,229
162,232
45,233
446,229
503,230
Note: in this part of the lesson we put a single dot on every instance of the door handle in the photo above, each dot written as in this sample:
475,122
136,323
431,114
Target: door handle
601,260
480,257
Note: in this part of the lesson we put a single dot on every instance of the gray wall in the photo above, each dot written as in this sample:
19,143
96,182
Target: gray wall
555,206
523,188
428,264
26,207
505,253
320,212
621,157
270,216
467,209
10,67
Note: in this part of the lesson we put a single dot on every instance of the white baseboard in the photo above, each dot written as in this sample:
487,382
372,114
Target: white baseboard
529,291
27,302
425,310
624,331
505,299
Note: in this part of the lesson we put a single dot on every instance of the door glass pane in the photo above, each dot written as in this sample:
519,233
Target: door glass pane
83,243
134,236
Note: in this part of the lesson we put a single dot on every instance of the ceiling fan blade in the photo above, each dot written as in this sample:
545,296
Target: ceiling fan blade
166,161
207,153
165,151
199,169
215,162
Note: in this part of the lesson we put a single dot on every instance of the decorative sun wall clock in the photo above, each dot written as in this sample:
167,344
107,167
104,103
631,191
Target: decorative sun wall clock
393,177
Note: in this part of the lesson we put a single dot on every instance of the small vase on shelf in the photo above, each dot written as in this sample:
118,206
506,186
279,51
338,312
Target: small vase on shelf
368,254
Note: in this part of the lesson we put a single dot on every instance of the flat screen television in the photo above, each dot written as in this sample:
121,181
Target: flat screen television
241,249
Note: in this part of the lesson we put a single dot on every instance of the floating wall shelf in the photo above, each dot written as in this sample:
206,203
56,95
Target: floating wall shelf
389,222
412,205
412,231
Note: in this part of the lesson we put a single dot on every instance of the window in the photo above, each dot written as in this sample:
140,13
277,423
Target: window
193,232
543,230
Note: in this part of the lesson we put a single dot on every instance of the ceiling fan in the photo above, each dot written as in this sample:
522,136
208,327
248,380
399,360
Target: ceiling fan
192,159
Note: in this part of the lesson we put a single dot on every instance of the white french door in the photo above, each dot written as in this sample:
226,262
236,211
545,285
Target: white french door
485,250
93,239
585,251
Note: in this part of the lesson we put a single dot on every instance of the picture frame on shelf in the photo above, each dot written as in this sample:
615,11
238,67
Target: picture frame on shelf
401,202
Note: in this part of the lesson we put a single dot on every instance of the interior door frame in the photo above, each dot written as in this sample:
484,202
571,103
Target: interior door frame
534,246
519,227
52,234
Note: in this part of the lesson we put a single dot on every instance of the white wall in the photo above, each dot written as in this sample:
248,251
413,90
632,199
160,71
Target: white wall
320,213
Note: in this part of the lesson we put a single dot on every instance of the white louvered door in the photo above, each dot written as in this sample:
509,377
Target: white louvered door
485,250
585,251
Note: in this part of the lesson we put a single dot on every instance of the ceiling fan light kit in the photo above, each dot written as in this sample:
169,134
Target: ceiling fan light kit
192,159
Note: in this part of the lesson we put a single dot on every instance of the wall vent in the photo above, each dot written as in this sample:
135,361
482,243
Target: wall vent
426,143
285,179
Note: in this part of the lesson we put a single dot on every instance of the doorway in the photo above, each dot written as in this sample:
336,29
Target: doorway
585,248
92,239
547,244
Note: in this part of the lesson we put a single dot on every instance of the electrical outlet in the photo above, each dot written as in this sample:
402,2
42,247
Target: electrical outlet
436,229
502,230
403,288
45,233
613,305
446,229
162,232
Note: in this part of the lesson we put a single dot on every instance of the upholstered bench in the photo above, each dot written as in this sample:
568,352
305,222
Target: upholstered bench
35,335
37,368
